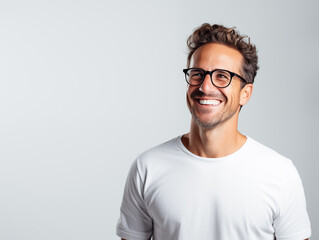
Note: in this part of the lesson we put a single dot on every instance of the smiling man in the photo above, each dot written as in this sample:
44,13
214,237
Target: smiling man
214,182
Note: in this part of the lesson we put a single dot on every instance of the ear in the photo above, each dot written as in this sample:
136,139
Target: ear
245,93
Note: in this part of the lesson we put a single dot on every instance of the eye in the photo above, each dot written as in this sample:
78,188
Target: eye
196,74
221,75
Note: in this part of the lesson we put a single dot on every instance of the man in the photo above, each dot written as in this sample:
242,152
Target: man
214,182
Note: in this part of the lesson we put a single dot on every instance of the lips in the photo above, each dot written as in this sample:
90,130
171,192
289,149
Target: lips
211,99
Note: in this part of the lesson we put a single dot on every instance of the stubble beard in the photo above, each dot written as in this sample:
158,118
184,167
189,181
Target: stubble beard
211,123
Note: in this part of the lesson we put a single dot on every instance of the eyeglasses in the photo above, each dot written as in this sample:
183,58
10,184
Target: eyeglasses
219,77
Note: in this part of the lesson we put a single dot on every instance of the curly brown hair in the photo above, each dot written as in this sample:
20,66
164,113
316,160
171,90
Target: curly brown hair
207,33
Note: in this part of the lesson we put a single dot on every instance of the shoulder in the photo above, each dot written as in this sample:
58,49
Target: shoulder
158,155
269,159
159,149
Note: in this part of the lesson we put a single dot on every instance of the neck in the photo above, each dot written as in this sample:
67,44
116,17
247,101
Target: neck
219,141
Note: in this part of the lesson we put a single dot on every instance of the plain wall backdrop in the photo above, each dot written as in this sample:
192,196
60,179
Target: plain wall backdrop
85,86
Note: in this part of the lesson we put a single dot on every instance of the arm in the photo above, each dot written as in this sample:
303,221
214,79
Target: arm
292,217
135,221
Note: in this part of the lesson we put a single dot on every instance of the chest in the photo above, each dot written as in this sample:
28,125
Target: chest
223,198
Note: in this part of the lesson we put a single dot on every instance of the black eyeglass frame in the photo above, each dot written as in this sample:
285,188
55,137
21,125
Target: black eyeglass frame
210,73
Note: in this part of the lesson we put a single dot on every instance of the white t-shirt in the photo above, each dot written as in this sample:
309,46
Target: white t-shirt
173,194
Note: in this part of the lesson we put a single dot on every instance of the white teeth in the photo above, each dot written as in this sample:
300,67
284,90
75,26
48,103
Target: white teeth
212,102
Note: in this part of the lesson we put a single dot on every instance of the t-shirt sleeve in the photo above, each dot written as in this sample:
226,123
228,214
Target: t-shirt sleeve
134,222
292,222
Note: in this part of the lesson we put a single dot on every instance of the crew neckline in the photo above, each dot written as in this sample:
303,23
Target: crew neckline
231,156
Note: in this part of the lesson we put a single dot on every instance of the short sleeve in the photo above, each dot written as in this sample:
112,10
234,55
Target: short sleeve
134,222
292,222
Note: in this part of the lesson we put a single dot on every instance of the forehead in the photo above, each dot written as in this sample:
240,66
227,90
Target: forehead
214,55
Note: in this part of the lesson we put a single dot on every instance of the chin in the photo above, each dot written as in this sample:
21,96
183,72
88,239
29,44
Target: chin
208,124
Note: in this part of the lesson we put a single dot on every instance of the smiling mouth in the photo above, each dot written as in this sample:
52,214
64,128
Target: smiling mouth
208,102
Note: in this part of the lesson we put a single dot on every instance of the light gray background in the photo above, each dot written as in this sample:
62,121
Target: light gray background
85,86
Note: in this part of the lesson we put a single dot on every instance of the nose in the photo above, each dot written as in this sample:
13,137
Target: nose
207,85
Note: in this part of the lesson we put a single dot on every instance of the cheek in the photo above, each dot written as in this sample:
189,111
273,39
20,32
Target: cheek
189,91
232,95
188,98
